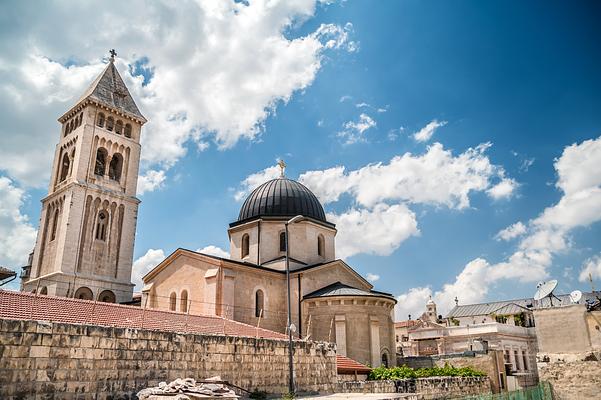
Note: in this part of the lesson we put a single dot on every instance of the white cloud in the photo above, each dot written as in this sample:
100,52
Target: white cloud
512,231
214,251
352,131
377,231
150,181
256,179
591,266
372,277
548,234
144,264
17,235
412,303
437,177
424,134
504,189
241,62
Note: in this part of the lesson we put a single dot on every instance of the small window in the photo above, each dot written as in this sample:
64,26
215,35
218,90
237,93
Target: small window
84,293
107,296
119,127
245,246
101,225
127,130
259,303
172,301
110,123
320,246
183,303
385,360
100,121
54,225
66,129
80,120
65,167
44,291
100,166
115,167
282,241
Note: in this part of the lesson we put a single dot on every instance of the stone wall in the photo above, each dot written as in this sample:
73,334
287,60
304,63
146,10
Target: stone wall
61,360
562,329
490,363
428,388
573,380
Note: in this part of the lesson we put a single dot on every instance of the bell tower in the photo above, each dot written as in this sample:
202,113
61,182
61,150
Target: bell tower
84,248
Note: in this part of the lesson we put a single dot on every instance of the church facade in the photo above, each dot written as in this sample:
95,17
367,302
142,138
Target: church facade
330,301
85,241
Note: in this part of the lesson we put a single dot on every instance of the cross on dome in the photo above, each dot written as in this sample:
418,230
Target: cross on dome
282,166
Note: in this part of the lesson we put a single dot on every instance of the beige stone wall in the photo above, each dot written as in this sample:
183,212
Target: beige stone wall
491,363
575,380
562,329
424,388
303,241
358,314
60,360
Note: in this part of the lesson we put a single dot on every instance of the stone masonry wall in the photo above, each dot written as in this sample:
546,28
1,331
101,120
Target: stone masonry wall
427,388
64,361
573,380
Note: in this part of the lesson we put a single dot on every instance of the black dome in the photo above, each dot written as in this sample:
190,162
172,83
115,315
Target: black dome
281,197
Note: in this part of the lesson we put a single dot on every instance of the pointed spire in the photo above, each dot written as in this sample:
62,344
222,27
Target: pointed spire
109,90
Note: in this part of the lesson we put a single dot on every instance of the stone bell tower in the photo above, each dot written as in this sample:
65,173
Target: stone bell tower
85,241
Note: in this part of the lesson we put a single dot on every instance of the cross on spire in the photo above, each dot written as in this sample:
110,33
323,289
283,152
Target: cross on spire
113,53
282,166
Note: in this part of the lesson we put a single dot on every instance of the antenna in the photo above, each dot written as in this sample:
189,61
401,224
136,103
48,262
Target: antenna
575,296
545,289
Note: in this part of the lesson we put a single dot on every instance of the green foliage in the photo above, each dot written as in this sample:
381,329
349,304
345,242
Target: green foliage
519,319
404,372
454,321
289,396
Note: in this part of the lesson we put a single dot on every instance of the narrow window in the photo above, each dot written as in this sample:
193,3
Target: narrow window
80,120
320,245
119,127
183,303
385,360
100,166
65,167
524,360
54,225
259,300
100,121
115,167
245,246
110,122
127,130
101,225
172,301
283,241
66,129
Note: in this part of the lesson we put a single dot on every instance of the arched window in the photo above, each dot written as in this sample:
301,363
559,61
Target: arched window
100,166
283,241
172,301
101,225
245,246
259,303
127,130
115,167
106,296
183,303
110,122
100,121
43,291
119,127
84,293
385,360
320,245
65,167
54,225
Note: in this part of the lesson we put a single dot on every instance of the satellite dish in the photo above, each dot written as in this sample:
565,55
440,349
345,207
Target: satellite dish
545,289
575,296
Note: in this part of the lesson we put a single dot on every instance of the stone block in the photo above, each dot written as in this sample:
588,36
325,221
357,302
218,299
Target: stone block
39,351
44,327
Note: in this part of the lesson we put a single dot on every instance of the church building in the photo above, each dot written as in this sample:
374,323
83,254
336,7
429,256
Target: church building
85,243
330,301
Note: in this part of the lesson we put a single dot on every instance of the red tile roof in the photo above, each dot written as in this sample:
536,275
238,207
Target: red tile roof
345,365
27,306
405,324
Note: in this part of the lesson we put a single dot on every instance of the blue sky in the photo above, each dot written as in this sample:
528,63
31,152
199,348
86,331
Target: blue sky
522,76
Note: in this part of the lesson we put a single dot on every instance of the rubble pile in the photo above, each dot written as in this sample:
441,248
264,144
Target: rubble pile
188,389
